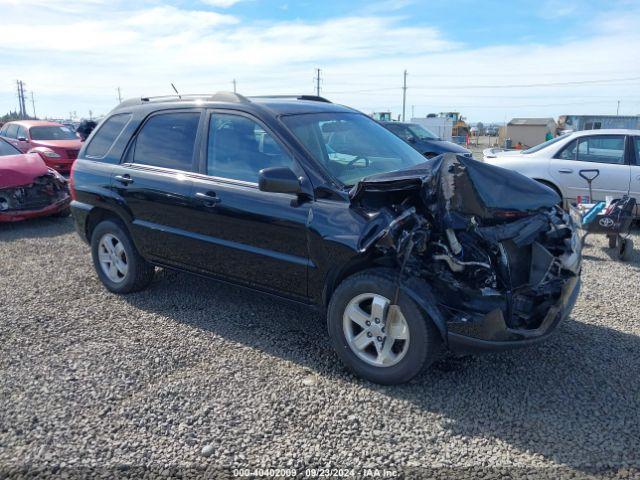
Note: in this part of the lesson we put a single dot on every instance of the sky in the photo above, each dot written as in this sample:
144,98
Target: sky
490,60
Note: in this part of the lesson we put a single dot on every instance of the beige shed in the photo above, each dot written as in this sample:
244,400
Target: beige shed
530,131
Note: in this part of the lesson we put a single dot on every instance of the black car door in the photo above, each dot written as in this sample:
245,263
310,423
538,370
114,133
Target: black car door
247,235
155,185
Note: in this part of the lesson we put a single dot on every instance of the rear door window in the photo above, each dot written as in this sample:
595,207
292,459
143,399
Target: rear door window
167,140
107,135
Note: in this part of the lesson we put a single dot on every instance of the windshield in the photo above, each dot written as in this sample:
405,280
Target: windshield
422,133
546,144
351,145
52,133
8,149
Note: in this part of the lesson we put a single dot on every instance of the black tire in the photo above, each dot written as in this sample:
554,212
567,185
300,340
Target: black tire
62,213
139,274
425,343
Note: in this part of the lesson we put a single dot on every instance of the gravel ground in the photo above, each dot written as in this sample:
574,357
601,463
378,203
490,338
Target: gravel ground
192,378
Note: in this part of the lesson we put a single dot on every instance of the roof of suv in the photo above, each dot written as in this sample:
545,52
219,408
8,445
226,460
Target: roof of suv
278,105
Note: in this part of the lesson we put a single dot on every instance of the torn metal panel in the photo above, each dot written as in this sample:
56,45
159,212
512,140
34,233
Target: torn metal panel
491,244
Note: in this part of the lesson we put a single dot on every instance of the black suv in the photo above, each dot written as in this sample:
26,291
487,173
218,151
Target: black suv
318,203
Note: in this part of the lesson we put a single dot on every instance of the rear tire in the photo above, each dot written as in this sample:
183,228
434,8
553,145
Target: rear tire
119,265
415,341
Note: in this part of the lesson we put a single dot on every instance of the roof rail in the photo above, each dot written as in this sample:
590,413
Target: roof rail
311,98
217,97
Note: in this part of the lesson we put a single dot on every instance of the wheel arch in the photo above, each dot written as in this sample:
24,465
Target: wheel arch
550,184
351,267
420,292
98,215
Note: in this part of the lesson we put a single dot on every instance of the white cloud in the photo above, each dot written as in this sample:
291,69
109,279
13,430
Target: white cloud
78,65
221,3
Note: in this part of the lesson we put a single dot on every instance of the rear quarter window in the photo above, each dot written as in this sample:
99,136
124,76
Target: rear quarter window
106,135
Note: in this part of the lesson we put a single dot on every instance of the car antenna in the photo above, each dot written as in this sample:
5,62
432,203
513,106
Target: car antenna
176,90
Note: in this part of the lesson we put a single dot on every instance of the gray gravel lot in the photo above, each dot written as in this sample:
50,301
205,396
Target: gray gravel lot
95,383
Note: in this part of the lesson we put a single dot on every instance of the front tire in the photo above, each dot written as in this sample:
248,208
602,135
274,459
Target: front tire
380,342
119,265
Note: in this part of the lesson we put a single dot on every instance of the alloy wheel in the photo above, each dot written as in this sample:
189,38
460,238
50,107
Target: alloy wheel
376,331
113,258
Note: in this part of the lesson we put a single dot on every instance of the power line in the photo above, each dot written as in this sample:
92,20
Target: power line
529,85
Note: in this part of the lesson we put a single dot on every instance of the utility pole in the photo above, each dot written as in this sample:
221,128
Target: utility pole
119,96
90,115
19,98
235,86
318,72
404,96
33,104
618,109
21,102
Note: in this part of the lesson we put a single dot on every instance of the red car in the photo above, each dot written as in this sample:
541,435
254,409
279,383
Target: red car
28,188
58,145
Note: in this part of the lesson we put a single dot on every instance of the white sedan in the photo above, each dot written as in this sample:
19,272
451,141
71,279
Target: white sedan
615,154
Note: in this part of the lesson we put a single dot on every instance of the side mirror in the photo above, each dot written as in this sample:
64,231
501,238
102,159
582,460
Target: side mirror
279,180
411,139
22,139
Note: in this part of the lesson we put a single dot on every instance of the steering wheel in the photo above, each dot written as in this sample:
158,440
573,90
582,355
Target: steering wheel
359,157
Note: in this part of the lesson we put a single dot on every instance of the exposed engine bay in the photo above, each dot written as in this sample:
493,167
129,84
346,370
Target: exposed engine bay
45,190
491,245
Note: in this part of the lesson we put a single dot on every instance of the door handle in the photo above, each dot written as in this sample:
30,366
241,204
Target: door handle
209,199
124,179
565,170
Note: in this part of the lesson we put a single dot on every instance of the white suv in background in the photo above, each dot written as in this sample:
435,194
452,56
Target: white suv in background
558,162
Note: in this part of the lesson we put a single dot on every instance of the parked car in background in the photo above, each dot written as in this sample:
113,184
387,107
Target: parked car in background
557,163
318,203
57,144
28,188
424,141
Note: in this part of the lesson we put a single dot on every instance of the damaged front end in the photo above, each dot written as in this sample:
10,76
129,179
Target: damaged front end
485,251
46,195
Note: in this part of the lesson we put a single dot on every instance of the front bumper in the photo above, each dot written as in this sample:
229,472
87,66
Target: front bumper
491,333
18,215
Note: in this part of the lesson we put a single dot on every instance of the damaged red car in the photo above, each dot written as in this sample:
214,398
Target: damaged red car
317,203
57,144
28,188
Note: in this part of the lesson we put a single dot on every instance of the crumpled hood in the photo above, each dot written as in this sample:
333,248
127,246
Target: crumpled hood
18,170
463,185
